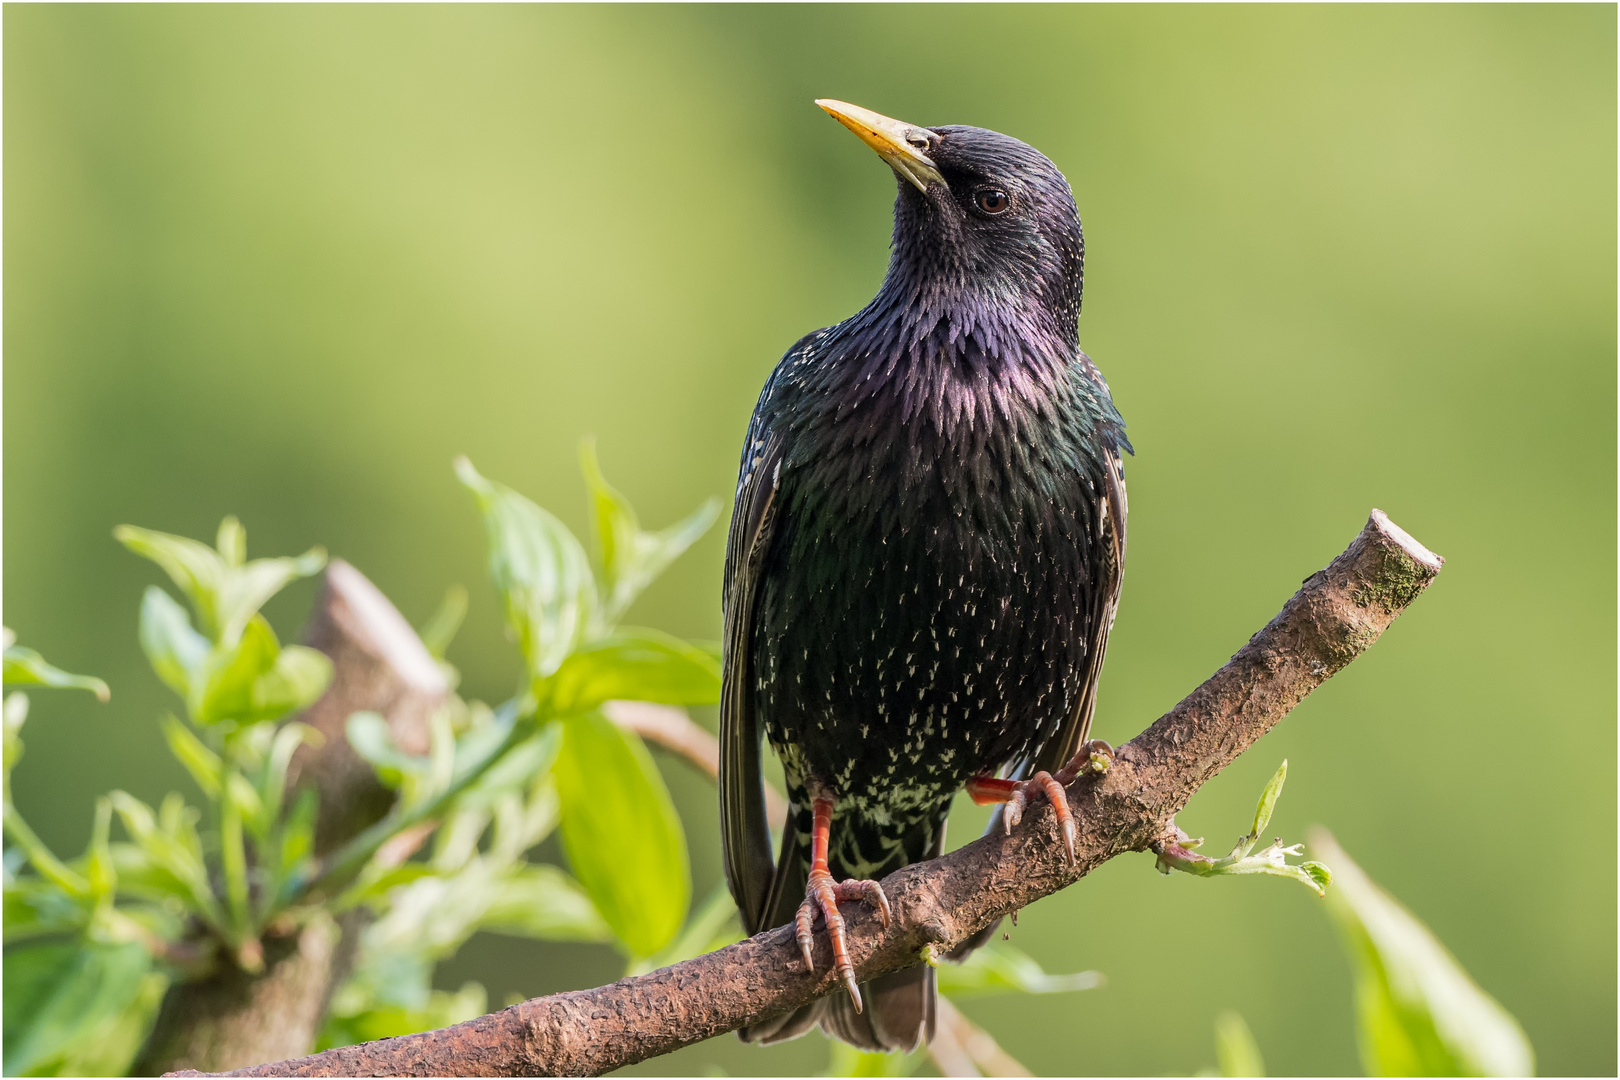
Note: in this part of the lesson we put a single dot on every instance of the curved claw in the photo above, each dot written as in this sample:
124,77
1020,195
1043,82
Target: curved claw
1014,813
1050,786
1095,756
803,923
869,891
823,893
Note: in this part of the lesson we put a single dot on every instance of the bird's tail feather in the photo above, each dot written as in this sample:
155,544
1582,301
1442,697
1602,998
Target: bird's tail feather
899,1013
787,1026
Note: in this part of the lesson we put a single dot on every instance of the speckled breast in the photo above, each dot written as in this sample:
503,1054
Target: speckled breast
917,629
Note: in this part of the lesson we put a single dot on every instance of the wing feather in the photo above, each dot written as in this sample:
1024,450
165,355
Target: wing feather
745,833
1111,512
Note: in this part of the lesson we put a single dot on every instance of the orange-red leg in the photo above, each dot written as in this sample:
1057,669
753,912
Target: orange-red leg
823,893
1094,756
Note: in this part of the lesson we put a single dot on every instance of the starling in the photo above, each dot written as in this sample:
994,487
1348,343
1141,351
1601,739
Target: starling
924,558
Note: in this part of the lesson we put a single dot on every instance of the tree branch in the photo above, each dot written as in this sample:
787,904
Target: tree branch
1334,617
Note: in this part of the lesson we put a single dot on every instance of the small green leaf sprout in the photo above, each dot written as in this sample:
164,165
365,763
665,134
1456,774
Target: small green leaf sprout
1178,852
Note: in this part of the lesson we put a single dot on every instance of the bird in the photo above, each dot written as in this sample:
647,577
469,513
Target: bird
924,561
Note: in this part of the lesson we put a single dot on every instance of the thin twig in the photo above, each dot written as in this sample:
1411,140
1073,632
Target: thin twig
981,1051
1335,616
675,731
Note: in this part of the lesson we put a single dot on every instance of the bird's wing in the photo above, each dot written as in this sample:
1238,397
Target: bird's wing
745,834
1111,509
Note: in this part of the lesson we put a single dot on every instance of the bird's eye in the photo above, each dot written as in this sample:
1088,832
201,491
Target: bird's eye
992,201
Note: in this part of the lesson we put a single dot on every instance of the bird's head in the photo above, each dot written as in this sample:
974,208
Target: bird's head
982,220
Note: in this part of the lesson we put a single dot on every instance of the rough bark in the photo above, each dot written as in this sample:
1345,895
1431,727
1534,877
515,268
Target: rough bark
233,1018
1336,615
379,665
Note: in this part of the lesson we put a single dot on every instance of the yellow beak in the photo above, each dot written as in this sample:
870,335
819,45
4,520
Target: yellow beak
901,144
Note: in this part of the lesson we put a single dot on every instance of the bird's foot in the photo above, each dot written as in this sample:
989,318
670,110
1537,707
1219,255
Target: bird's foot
823,893
1094,757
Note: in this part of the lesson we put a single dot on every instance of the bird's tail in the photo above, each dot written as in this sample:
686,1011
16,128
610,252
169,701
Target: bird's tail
899,1012
898,1015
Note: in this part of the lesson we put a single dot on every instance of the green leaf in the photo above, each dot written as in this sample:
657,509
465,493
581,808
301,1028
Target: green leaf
1418,1012
41,857
245,797
846,1060
78,1008
540,569
441,629
25,667
98,863
115,1046
383,1021
232,673
179,822
998,968
543,902
170,844
233,860
36,906
369,734
202,763
296,680
244,590
1271,860
377,881
298,833
272,782
518,768
635,664
1268,799
195,568
713,925
613,522
231,542
257,680
621,833
627,559
223,591
142,878
176,652
1236,1052
14,713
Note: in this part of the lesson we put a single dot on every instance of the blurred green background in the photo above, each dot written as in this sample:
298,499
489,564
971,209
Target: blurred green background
287,261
